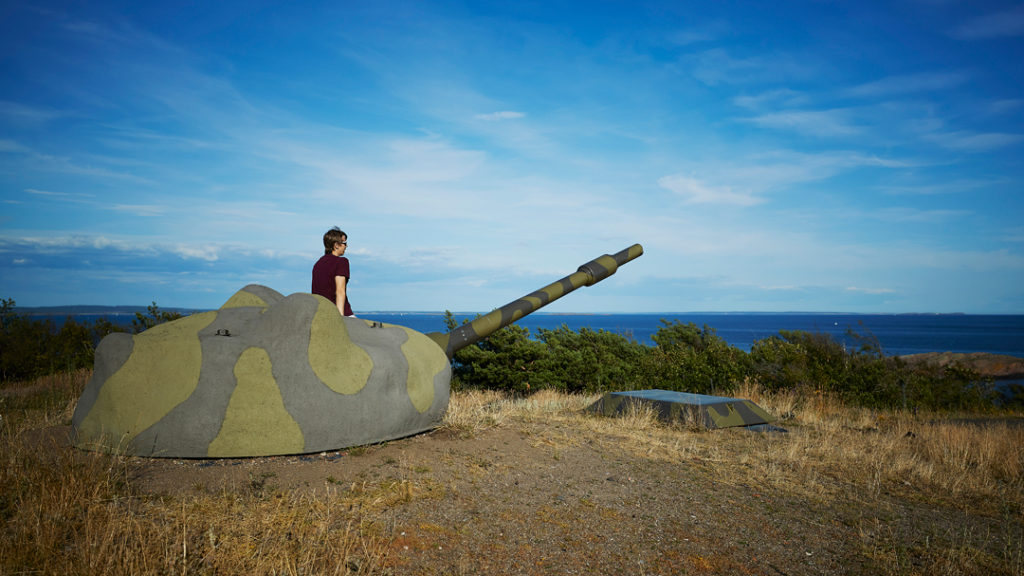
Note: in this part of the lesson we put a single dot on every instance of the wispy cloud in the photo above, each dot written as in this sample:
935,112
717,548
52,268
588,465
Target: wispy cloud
717,67
12,146
1013,235
1005,106
698,192
906,214
145,210
18,113
35,161
748,180
35,192
702,33
502,115
201,252
870,290
909,84
958,186
1006,23
820,123
969,141
781,98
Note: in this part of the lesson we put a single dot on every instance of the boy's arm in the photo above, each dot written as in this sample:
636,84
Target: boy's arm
340,283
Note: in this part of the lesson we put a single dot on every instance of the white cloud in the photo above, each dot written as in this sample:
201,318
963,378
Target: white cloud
207,252
698,192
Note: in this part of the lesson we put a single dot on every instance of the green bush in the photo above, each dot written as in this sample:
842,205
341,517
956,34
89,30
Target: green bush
559,359
507,361
695,359
587,360
691,359
32,348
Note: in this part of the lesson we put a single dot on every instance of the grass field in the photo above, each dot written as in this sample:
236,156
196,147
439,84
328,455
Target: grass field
846,490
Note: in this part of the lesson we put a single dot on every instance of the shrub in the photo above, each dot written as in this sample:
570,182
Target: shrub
588,361
692,359
32,348
506,360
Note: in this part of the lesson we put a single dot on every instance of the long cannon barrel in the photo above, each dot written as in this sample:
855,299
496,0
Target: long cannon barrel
588,274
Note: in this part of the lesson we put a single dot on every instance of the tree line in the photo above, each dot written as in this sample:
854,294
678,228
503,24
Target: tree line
689,358
31,348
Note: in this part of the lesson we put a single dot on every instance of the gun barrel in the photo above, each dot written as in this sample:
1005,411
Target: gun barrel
586,275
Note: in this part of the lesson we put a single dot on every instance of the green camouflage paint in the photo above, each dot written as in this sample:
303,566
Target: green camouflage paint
270,375
586,275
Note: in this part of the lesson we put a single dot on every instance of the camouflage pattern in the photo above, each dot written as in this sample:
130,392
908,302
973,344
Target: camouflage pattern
263,375
586,275
708,411
270,375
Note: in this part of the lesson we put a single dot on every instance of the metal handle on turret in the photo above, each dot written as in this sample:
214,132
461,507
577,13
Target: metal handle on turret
586,275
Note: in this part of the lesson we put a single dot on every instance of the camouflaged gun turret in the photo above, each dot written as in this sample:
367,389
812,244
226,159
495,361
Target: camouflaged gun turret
270,375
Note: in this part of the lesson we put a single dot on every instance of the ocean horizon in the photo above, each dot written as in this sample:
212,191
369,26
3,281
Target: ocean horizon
898,334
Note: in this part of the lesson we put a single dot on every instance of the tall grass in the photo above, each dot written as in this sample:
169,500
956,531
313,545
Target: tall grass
69,512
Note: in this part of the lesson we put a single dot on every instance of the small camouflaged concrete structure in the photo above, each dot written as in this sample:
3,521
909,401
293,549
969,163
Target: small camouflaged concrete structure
268,375
263,375
709,411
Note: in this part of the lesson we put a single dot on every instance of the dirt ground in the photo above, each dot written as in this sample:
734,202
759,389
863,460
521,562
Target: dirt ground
542,497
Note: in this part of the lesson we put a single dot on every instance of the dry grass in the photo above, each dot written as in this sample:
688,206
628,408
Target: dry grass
841,456
65,511
829,444
70,512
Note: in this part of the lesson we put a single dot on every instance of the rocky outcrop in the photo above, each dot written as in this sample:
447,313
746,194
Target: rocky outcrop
995,366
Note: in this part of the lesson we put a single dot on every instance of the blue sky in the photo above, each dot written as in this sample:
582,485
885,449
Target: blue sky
777,156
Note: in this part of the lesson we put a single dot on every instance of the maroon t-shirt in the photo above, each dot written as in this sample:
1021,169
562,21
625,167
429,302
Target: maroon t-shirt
324,271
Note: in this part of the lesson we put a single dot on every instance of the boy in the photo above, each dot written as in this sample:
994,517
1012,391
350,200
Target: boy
331,272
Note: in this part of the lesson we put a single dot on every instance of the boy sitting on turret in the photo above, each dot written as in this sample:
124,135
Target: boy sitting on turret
331,271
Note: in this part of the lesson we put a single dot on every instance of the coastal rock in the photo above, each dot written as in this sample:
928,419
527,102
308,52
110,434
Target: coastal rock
995,366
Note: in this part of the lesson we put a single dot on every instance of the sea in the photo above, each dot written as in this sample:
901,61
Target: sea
897,334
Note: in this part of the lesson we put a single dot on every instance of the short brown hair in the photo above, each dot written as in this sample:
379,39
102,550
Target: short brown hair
332,237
